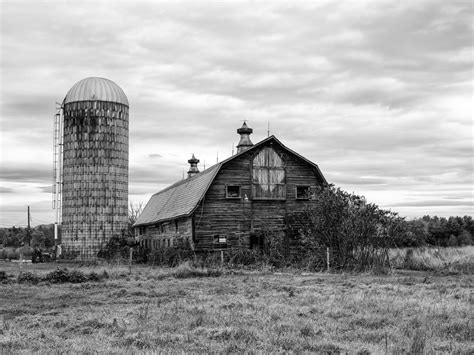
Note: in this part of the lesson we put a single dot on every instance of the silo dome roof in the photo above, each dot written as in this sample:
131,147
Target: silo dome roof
96,89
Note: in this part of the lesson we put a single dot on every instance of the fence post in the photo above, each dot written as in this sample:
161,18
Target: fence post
327,257
130,262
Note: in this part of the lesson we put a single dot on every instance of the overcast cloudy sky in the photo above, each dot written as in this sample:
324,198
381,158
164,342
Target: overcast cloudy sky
378,93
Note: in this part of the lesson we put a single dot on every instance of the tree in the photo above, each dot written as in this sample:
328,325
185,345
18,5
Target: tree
38,239
357,233
417,234
465,238
134,211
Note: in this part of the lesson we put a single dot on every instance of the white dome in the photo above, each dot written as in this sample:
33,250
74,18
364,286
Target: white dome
96,89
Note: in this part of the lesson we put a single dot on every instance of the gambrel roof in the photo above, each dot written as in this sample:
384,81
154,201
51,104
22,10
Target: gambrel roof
183,197
177,200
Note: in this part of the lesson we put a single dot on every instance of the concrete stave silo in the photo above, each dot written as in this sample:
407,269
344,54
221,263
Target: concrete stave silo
94,166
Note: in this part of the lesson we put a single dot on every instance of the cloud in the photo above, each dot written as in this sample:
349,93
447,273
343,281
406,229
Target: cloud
377,93
26,173
359,181
434,203
6,190
47,189
155,155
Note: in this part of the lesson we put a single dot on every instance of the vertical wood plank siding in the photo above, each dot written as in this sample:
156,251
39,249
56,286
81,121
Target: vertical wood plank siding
235,218
95,175
156,236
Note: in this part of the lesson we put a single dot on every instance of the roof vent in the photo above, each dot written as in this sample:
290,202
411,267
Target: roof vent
245,142
193,169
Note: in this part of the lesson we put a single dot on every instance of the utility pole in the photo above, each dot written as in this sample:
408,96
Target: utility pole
28,231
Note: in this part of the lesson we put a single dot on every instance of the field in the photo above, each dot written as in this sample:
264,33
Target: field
175,310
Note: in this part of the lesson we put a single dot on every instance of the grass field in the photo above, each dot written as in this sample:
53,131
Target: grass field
165,310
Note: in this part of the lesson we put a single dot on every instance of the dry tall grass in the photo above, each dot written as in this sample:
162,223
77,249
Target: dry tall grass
170,310
435,259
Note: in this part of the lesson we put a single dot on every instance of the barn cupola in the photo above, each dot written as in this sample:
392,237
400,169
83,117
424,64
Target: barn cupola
245,142
193,169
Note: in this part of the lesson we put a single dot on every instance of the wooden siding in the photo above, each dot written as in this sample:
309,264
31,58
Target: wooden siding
268,175
236,219
161,235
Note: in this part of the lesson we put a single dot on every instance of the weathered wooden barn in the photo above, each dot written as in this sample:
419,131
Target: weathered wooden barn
232,202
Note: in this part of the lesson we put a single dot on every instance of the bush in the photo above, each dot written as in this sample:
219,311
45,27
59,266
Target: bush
9,254
76,276
3,276
25,251
57,276
94,277
69,255
62,276
172,256
28,277
357,234
243,256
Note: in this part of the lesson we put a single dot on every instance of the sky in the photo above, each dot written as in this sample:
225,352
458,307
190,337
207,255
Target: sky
378,93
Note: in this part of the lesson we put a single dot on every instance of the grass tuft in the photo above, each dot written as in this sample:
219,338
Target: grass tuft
186,270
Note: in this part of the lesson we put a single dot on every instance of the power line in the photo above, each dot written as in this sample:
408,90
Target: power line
41,220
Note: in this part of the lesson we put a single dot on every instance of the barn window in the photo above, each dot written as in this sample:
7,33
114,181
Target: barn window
268,175
232,191
303,192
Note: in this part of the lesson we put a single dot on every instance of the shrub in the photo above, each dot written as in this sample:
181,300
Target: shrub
28,277
172,256
243,256
57,276
74,276
118,247
93,277
452,241
11,254
357,234
69,254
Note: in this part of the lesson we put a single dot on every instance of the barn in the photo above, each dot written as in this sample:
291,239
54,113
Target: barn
232,203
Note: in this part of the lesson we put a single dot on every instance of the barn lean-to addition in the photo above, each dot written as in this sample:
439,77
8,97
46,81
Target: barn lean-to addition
231,203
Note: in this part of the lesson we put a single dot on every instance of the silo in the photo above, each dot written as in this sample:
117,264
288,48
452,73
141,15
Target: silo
95,166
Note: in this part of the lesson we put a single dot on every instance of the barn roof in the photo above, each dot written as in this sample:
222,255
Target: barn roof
183,197
177,200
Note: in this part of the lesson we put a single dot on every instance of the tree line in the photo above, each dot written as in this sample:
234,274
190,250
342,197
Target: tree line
356,233
41,236
438,231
